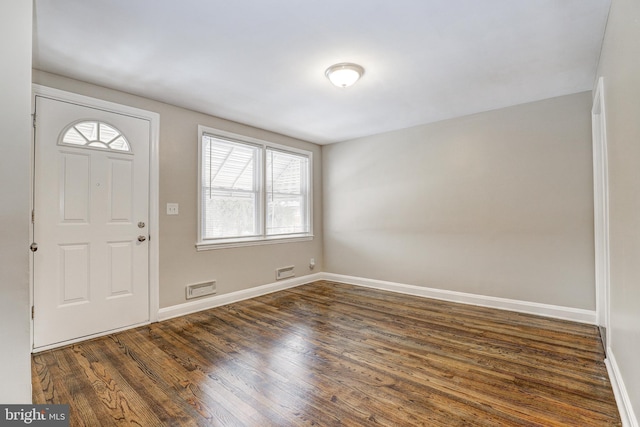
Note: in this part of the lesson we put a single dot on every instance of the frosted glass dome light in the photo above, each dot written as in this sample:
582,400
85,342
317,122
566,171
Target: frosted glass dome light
344,74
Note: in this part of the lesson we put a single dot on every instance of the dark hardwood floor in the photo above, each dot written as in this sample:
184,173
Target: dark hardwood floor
332,354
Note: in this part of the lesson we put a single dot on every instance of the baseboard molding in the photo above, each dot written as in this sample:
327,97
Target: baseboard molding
558,312
219,300
620,391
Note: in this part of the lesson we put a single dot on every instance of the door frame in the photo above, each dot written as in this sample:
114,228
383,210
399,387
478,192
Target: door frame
154,202
601,213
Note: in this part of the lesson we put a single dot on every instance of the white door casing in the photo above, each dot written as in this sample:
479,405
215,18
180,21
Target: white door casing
601,212
91,272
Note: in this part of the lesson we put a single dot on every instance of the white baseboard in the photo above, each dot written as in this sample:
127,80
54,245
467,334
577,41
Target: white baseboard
620,391
218,300
558,312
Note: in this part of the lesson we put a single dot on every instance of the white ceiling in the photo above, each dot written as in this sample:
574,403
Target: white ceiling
262,62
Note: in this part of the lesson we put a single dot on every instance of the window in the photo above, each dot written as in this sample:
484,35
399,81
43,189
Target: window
230,189
251,191
93,134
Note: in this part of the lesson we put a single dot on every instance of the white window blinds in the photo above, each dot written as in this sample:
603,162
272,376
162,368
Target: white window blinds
250,191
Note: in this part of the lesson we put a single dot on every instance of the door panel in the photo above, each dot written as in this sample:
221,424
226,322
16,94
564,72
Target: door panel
74,187
74,273
91,274
120,265
121,190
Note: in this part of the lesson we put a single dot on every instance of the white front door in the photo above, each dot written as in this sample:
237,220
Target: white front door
91,216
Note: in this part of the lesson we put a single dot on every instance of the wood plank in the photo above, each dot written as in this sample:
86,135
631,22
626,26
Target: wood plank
334,354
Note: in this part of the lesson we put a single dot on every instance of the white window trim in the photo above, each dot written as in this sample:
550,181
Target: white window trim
205,245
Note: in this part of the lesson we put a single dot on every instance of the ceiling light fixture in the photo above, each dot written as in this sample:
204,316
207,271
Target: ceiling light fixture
344,74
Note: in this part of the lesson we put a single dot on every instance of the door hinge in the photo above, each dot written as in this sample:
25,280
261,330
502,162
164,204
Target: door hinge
33,216
34,120
33,309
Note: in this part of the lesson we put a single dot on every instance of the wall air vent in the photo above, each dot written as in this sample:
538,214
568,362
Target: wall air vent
285,272
201,289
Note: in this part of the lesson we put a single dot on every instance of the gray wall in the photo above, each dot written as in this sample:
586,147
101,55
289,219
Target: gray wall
620,67
497,204
180,264
15,110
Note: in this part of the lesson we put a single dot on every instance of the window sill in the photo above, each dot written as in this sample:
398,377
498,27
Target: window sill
238,243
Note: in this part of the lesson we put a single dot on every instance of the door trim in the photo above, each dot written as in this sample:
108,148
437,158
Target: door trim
154,174
601,213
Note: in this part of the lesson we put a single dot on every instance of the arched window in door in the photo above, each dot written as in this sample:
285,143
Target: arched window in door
95,134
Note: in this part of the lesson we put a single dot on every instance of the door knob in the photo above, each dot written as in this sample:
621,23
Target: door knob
142,238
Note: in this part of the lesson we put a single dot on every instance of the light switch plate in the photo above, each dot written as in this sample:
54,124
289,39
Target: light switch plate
173,209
